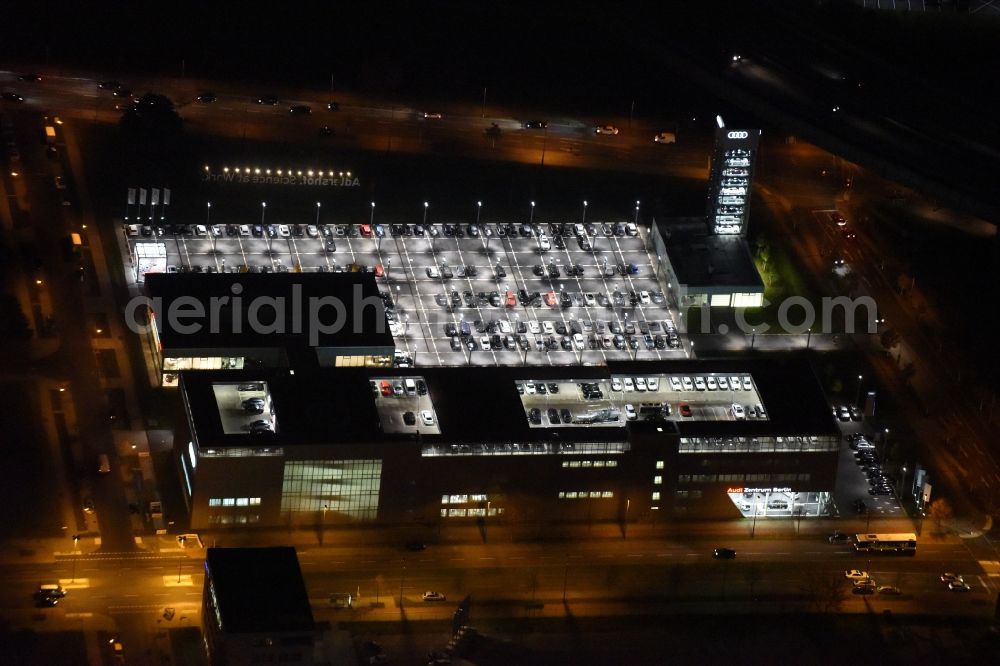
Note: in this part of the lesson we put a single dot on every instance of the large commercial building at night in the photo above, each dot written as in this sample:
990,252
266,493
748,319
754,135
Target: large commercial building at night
627,441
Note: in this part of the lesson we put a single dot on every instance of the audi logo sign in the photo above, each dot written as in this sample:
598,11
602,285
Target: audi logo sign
737,135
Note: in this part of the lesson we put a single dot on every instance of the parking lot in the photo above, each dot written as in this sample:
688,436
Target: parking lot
469,294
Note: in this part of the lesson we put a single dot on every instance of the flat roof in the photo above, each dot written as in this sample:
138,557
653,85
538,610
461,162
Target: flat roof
482,405
259,589
708,263
362,325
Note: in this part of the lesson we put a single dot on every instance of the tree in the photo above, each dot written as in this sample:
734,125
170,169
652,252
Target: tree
151,123
13,322
825,590
939,511
889,338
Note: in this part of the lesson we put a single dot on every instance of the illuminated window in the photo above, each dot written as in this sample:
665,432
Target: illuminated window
587,463
595,493
656,496
607,493
215,501
456,513
657,480
659,464
444,513
228,501
612,463
562,495
348,487
254,501
477,498
571,495
458,499
444,499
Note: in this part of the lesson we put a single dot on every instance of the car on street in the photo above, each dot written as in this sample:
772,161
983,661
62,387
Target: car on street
300,110
536,124
949,577
856,574
268,100
838,537
889,589
29,78
606,129
864,587
959,586
12,97
665,137
724,553
433,596
432,115
206,97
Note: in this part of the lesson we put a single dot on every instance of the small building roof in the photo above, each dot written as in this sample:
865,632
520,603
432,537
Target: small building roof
236,295
259,589
707,263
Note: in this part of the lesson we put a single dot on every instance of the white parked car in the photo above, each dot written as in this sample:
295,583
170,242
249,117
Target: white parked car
427,417
284,231
653,384
856,574
200,230
738,412
433,596
244,230
723,383
710,382
687,383
699,383
630,412
313,231
640,384
578,340
747,384
616,384
606,129
629,385
432,272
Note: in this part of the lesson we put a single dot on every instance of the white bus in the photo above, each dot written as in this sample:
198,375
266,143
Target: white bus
897,544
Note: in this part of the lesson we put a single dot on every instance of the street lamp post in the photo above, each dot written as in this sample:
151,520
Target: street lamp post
76,552
635,220
857,394
371,216
208,223
402,576
531,215
181,539
753,337
809,334
263,209
479,210
426,206
583,218
317,212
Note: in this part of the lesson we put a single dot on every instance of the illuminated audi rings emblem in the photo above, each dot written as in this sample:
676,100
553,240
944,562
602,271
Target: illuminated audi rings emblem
738,135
